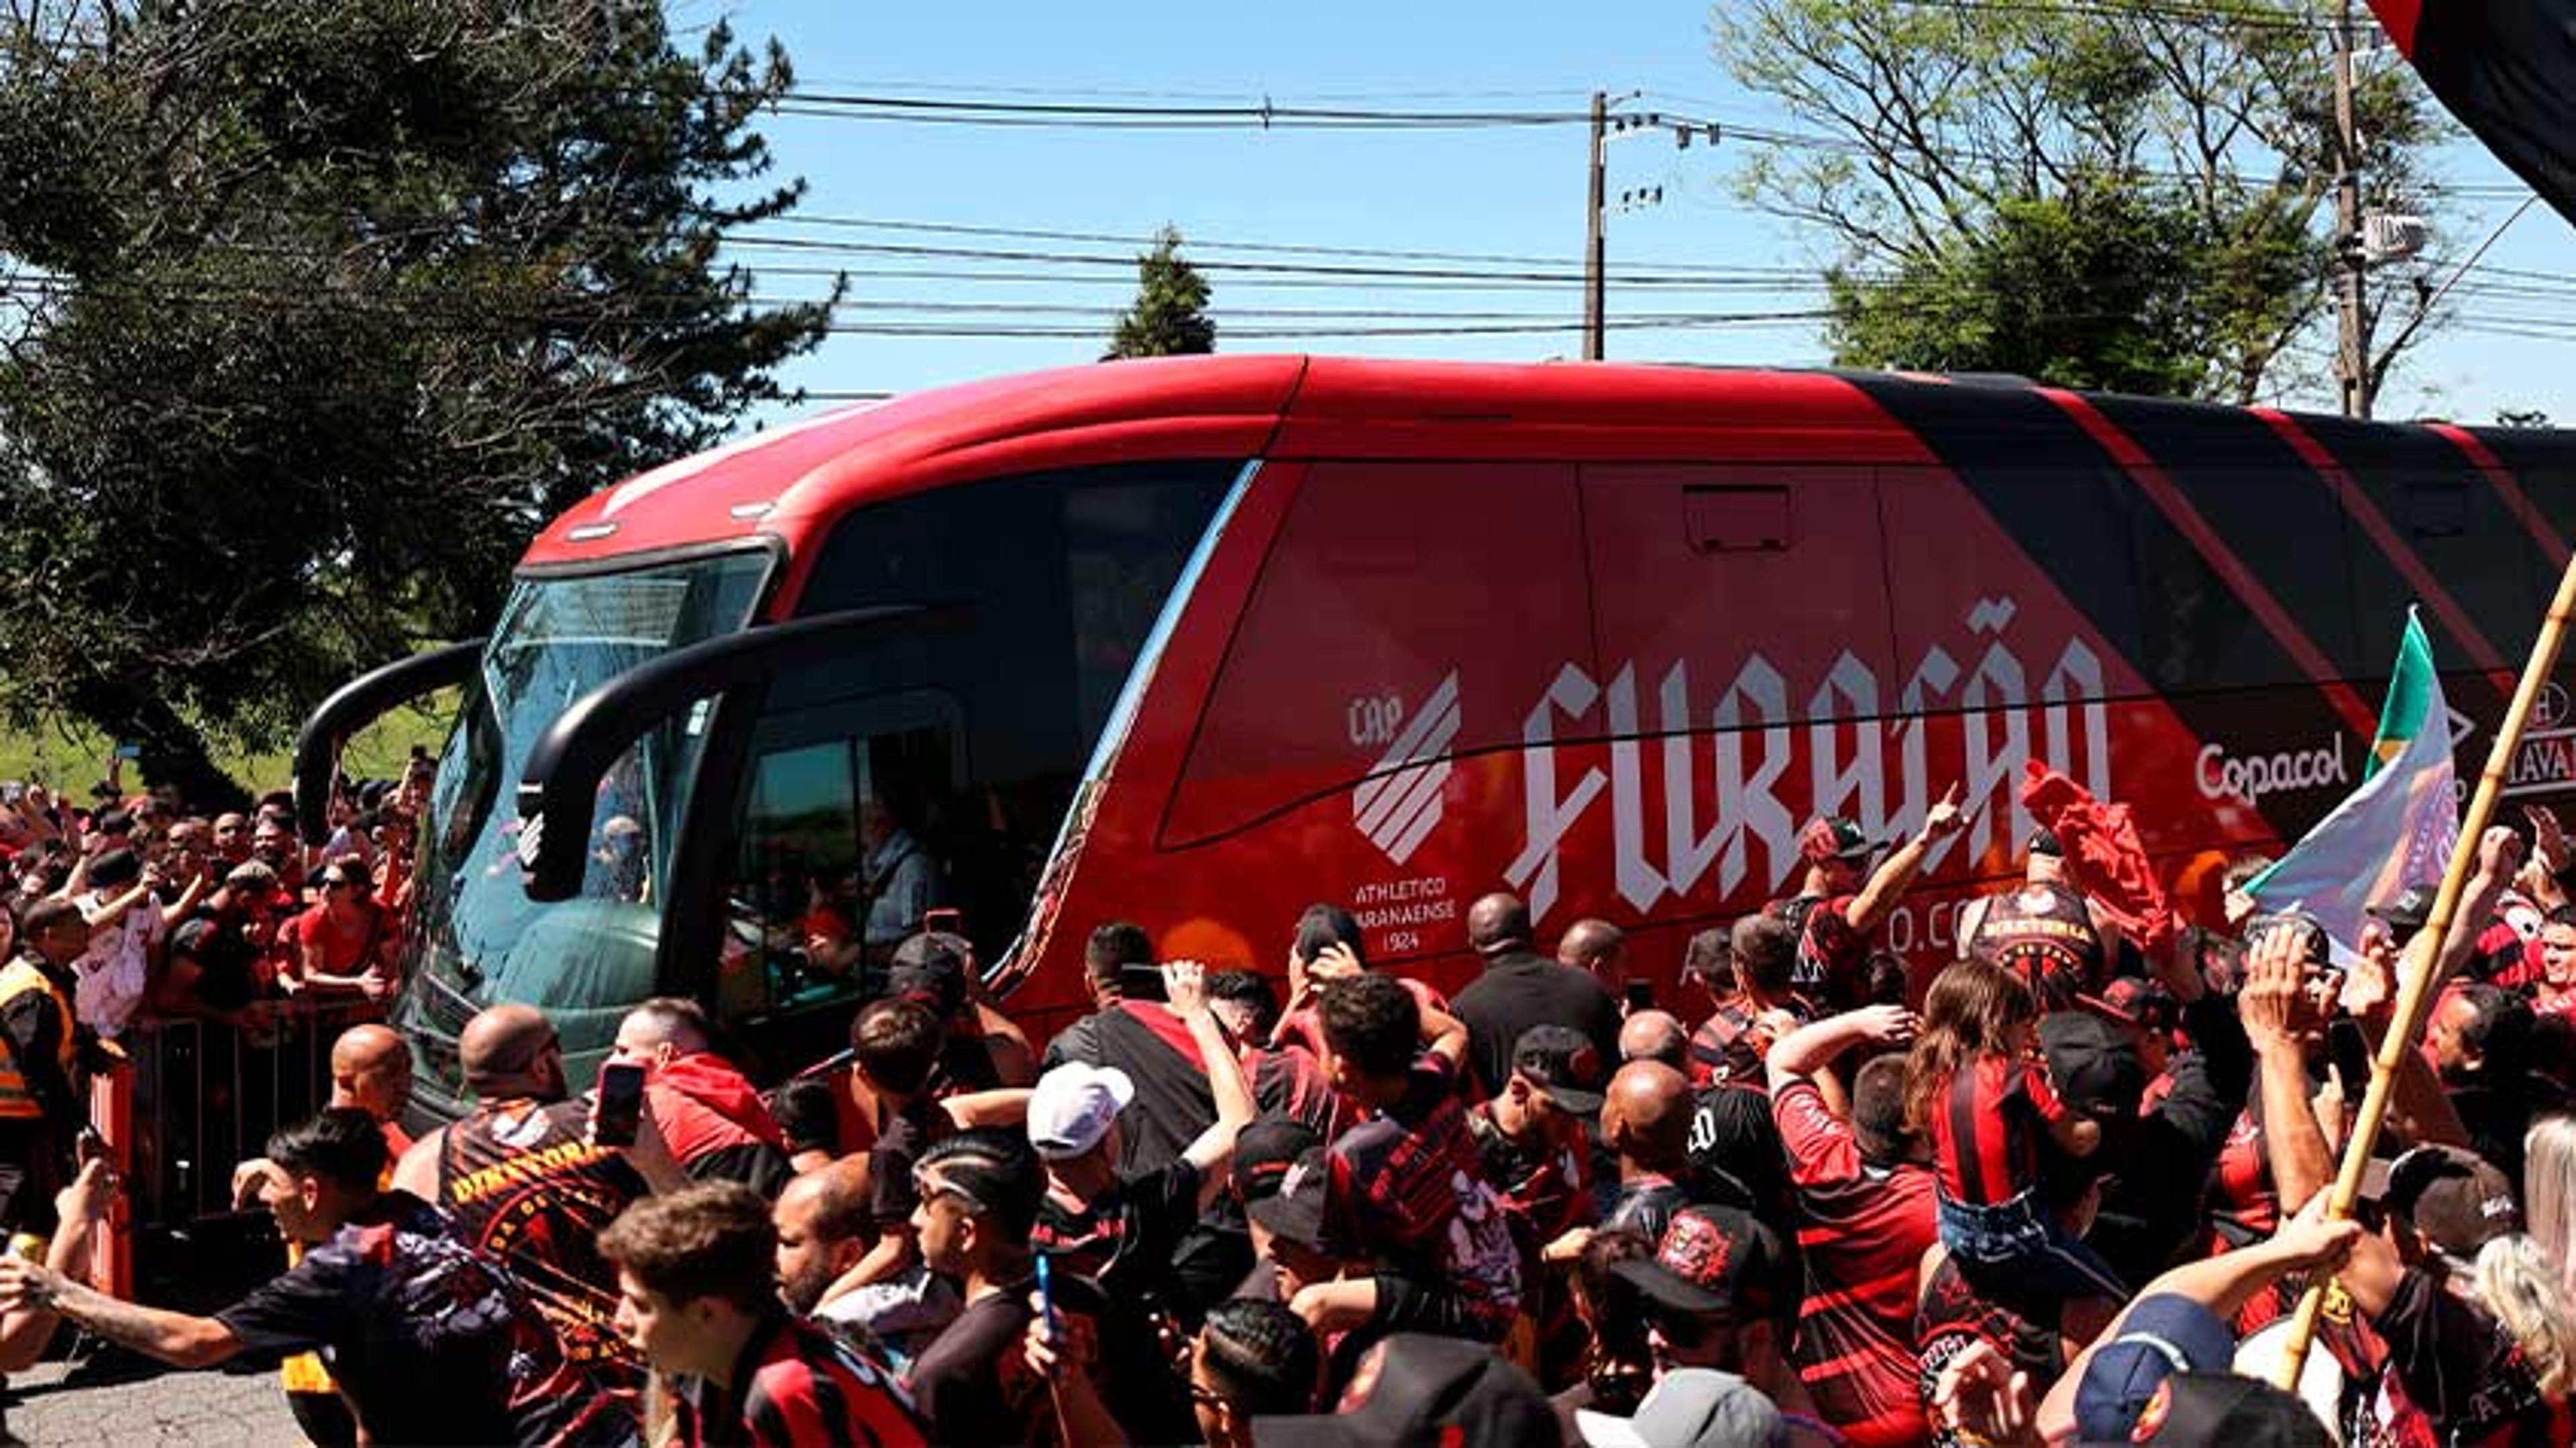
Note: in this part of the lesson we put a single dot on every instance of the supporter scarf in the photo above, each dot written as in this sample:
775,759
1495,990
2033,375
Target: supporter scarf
2105,861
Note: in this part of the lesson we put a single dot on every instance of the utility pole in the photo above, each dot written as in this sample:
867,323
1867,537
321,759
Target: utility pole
2352,364
1593,266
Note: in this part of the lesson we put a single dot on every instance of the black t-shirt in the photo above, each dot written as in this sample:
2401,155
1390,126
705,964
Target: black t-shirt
431,1342
1517,992
1124,1241
901,1139
974,1384
1129,1244
2461,1367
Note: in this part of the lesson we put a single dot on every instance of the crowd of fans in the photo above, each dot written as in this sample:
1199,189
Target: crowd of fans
2068,1190
221,915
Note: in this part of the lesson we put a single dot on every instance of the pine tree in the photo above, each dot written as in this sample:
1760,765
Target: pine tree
1170,317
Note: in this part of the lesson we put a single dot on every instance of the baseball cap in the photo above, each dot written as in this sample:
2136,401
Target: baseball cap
1074,1106
2220,1407
2137,1001
1416,1389
1834,838
2454,1197
930,967
2408,912
2094,1068
1712,1260
1562,1062
1690,1408
1279,1167
2162,1335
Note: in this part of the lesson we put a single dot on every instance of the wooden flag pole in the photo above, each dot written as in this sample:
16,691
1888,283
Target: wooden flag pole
2415,991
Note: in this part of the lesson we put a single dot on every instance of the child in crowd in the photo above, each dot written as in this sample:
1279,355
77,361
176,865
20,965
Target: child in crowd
1978,1089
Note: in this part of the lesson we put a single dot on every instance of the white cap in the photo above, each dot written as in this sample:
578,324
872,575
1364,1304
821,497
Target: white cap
1073,1107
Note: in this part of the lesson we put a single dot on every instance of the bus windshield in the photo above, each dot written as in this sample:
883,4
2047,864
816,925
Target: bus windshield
479,937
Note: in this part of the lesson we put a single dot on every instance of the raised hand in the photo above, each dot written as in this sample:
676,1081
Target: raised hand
1944,818
1185,987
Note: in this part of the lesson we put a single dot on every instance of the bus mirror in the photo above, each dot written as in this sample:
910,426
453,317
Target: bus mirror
559,785
357,704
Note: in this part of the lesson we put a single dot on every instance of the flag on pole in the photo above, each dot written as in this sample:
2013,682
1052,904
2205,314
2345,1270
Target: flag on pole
2397,828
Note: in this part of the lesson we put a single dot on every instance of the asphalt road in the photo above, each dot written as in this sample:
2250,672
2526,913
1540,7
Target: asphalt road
118,1402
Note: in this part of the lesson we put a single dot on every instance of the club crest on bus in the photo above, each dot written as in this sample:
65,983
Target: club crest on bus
1399,802
1776,751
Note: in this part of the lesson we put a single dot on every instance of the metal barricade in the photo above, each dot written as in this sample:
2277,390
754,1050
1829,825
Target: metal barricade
205,1097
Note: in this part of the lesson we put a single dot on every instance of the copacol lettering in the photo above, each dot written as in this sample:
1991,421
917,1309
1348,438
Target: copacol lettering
2221,776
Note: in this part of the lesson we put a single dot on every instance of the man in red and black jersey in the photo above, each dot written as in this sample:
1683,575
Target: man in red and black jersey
1837,912
1537,1154
521,1179
1728,1047
1866,1215
1406,1186
698,1299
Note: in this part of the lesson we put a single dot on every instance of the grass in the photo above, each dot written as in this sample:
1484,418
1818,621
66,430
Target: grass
70,755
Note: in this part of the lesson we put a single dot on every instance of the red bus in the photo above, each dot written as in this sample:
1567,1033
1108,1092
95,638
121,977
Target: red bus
1196,642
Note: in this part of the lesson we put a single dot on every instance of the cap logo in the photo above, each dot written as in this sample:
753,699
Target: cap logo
1696,1249
2151,1418
1292,1178
1584,1064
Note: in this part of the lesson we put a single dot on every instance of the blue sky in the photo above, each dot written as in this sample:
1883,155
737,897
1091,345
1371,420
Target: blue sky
1514,192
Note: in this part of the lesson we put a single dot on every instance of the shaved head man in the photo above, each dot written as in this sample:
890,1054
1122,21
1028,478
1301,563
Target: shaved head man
1646,1119
520,1178
371,1070
1521,989
1599,947
823,1230
1655,1036
510,1050
1498,923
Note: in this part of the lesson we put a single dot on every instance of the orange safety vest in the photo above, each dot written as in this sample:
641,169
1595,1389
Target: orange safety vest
17,1101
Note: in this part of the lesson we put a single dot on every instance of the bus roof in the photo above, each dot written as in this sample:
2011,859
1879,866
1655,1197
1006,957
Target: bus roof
789,481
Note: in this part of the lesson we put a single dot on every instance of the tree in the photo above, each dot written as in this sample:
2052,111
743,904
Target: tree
1170,317
320,308
2131,197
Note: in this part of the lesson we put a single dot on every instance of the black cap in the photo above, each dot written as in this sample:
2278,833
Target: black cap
116,868
2092,1064
1713,1260
2407,913
1280,1169
1415,1389
930,968
2455,1198
1562,1062
2043,841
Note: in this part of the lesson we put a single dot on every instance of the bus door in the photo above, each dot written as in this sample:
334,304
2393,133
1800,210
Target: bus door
799,914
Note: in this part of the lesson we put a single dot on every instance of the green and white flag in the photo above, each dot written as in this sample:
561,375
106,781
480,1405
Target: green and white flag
2397,828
